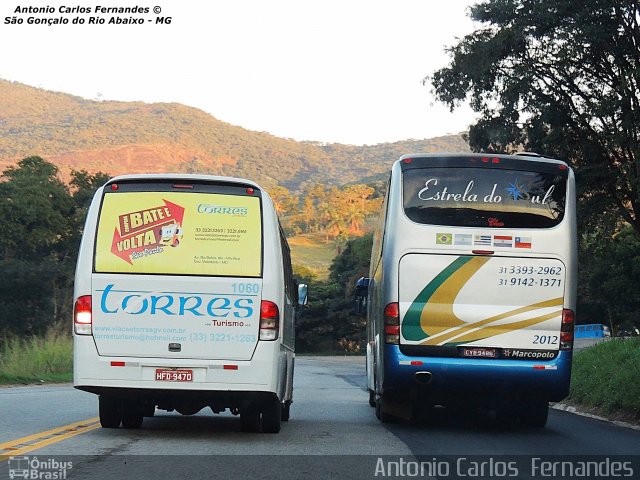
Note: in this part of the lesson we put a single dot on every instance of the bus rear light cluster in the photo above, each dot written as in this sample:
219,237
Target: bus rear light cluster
392,324
269,320
82,320
566,331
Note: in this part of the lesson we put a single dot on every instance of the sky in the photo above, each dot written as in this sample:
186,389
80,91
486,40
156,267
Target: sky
345,71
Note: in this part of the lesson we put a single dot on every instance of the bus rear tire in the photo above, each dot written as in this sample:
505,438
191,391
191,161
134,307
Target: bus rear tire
271,416
110,411
381,415
535,415
372,398
507,416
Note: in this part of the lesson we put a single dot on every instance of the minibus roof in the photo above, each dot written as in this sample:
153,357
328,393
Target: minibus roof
145,177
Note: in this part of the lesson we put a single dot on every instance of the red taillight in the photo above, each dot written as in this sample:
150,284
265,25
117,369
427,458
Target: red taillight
408,160
82,315
182,186
250,191
392,323
269,320
114,187
392,310
566,330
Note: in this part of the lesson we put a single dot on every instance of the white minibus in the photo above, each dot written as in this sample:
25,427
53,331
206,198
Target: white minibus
185,299
472,288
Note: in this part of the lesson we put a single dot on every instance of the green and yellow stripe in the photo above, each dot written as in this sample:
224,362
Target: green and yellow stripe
431,320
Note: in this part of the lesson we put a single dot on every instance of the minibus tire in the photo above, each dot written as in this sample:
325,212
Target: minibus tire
271,417
148,410
286,409
132,419
372,398
132,414
110,411
250,420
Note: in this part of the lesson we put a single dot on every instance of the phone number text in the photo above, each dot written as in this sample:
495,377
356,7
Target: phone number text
221,337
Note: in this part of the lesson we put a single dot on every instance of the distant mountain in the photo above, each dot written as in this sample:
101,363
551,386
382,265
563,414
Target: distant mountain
136,137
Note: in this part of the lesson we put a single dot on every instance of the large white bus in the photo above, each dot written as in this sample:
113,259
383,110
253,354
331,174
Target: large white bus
185,299
472,287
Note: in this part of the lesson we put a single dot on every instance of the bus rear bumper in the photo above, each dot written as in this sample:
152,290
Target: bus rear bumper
444,379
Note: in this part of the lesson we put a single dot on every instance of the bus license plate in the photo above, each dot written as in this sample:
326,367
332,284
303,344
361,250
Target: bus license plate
168,375
479,352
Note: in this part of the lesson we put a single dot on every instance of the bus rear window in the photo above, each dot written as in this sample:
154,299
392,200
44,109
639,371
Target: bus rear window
179,233
484,197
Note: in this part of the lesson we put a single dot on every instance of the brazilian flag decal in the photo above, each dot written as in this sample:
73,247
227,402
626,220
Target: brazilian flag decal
432,310
444,239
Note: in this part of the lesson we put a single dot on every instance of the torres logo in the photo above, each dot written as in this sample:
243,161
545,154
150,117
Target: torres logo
146,232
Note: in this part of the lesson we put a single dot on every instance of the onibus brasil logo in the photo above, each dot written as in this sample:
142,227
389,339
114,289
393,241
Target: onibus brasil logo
147,232
33,468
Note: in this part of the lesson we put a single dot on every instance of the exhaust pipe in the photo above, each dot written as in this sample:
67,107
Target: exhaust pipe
423,378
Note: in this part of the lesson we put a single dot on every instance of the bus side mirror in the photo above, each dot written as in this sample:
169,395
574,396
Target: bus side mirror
362,291
303,290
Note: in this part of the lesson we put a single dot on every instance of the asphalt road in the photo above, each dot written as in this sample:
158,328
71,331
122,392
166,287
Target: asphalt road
332,433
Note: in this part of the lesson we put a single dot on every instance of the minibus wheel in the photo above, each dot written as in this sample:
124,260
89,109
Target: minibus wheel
110,411
132,419
372,398
271,416
250,419
286,408
132,414
148,409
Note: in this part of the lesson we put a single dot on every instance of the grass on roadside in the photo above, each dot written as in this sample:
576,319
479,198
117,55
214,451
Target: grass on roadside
313,252
35,359
607,377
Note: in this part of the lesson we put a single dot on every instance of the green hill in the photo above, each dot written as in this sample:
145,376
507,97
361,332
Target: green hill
136,137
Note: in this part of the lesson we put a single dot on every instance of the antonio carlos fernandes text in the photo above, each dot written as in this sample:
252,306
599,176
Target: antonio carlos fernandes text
493,468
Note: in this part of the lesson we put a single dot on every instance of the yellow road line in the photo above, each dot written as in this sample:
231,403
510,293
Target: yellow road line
26,444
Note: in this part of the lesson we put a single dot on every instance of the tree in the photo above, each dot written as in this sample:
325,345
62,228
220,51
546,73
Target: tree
562,78
283,201
610,288
34,210
330,316
83,186
353,205
41,222
308,213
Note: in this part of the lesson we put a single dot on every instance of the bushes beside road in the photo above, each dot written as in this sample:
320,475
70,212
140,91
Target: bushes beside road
35,359
606,377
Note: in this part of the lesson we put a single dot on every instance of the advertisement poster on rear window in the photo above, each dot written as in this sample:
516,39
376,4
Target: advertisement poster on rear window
179,234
